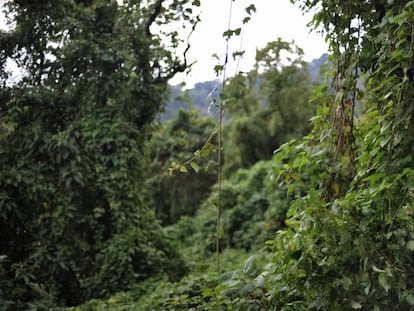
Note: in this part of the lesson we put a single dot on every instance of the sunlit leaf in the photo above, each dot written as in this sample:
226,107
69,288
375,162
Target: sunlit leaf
356,305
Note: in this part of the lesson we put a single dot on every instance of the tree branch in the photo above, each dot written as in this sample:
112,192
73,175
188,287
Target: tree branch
153,16
182,66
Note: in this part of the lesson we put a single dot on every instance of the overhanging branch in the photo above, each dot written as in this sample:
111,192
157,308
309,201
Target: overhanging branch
181,66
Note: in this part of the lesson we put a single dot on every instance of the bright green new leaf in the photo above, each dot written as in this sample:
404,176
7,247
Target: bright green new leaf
207,292
195,166
220,232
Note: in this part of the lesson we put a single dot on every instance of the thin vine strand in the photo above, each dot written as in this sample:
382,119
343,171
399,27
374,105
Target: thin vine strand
219,156
217,130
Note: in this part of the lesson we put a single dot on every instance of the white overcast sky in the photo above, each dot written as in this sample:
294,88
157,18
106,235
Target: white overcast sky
273,19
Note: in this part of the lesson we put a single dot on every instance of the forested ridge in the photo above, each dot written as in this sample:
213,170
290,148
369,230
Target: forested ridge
287,192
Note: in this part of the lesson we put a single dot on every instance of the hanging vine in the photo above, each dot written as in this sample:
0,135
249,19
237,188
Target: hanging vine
219,102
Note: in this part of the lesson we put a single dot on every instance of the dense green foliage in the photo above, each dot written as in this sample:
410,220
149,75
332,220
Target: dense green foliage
267,106
350,231
73,224
325,223
349,237
253,209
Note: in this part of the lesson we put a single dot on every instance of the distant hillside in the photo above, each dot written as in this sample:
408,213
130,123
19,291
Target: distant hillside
314,67
198,95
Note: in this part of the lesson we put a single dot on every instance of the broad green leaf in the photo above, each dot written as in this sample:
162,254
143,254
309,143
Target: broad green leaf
410,245
316,304
207,292
227,276
366,289
376,269
314,199
218,68
388,95
410,299
384,282
183,169
195,166
260,281
249,265
385,141
220,232
207,151
246,289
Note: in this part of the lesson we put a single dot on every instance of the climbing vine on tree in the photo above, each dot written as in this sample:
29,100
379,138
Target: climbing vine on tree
73,223
350,241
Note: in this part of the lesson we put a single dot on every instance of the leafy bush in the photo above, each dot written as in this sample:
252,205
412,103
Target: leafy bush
197,291
252,211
